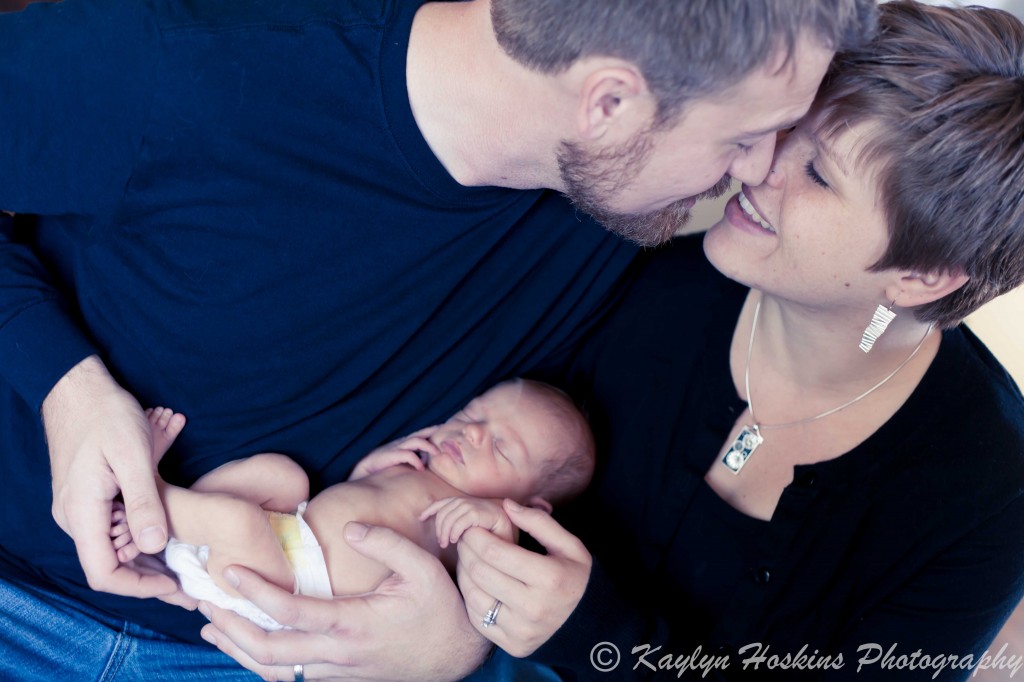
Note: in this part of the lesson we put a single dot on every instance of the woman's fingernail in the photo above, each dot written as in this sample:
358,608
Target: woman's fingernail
231,577
512,505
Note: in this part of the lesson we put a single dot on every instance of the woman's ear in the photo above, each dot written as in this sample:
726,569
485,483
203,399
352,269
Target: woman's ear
538,502
917,288
612,93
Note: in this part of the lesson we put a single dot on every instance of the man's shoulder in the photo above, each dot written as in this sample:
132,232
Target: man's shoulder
227,15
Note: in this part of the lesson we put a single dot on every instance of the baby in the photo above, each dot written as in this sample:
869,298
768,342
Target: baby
522,440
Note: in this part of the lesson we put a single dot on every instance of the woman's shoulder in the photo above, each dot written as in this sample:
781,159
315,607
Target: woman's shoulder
965,422
981,390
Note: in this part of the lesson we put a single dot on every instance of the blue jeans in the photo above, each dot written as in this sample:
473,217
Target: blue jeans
45,636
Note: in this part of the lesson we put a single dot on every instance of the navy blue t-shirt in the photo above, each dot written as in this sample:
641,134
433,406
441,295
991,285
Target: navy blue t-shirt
231,204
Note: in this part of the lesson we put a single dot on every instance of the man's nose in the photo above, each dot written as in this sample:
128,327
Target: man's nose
752,167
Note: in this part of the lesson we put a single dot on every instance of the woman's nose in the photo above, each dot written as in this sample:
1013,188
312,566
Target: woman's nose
775,177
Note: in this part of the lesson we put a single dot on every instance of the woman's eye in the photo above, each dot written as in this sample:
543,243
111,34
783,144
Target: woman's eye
813,175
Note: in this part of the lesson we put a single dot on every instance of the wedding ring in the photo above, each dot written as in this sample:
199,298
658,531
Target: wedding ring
491,617
300,675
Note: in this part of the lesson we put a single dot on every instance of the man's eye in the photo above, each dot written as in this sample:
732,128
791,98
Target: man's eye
813,175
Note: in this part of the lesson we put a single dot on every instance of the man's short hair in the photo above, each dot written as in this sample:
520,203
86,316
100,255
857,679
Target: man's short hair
683,48
942,93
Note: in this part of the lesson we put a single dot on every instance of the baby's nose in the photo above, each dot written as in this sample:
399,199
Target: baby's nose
474,433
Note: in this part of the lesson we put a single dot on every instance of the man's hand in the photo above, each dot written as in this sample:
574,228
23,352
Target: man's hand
538,592
402,451
100,445
412,627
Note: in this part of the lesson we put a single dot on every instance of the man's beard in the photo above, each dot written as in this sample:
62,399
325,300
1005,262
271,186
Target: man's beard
589,178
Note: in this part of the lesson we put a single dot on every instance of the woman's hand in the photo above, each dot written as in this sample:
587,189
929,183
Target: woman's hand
537,592
412,627
402,451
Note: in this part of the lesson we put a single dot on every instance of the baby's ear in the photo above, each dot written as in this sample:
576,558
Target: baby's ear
538,502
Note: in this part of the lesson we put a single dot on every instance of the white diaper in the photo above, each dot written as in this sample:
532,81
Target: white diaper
299,545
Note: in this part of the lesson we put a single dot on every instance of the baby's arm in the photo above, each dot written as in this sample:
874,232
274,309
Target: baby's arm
455,515
402,451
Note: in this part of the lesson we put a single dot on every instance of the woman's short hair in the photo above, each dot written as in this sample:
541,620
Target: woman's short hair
942,90
683,48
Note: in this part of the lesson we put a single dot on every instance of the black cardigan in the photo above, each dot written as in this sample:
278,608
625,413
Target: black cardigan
914,540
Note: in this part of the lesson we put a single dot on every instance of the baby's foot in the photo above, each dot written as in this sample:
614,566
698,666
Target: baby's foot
121,536
166,424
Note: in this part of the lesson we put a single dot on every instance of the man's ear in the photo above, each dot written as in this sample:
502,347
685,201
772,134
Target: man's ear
538,502
918,288
612,92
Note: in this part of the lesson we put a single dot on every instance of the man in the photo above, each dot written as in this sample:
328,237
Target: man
327,216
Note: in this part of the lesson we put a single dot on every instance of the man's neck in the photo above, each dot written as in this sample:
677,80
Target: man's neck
481,113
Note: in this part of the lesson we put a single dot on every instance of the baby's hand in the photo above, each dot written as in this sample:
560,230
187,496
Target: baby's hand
456,515
402,451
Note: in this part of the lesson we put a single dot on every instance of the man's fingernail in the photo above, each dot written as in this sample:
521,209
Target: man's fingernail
356,531
231,577
152,539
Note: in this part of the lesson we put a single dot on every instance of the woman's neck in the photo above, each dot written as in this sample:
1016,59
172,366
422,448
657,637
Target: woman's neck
814,352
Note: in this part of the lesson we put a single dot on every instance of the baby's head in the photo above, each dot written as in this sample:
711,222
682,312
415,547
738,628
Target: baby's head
521,439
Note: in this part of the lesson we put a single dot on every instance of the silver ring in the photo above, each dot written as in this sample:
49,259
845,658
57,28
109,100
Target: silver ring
491,617
300,675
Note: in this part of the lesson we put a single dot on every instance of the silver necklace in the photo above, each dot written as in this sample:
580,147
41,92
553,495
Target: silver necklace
750,438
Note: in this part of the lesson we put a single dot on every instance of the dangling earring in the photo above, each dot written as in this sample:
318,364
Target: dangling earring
879,323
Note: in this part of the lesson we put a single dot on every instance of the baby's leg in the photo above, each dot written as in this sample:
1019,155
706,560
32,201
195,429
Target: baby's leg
121,536
274,482
165,425
236,531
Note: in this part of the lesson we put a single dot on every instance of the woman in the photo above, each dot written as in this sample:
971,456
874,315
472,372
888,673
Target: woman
767,486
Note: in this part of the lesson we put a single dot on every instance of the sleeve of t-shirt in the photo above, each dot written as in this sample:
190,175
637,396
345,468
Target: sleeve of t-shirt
75,79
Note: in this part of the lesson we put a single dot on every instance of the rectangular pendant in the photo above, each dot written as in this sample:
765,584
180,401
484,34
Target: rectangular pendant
742,448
